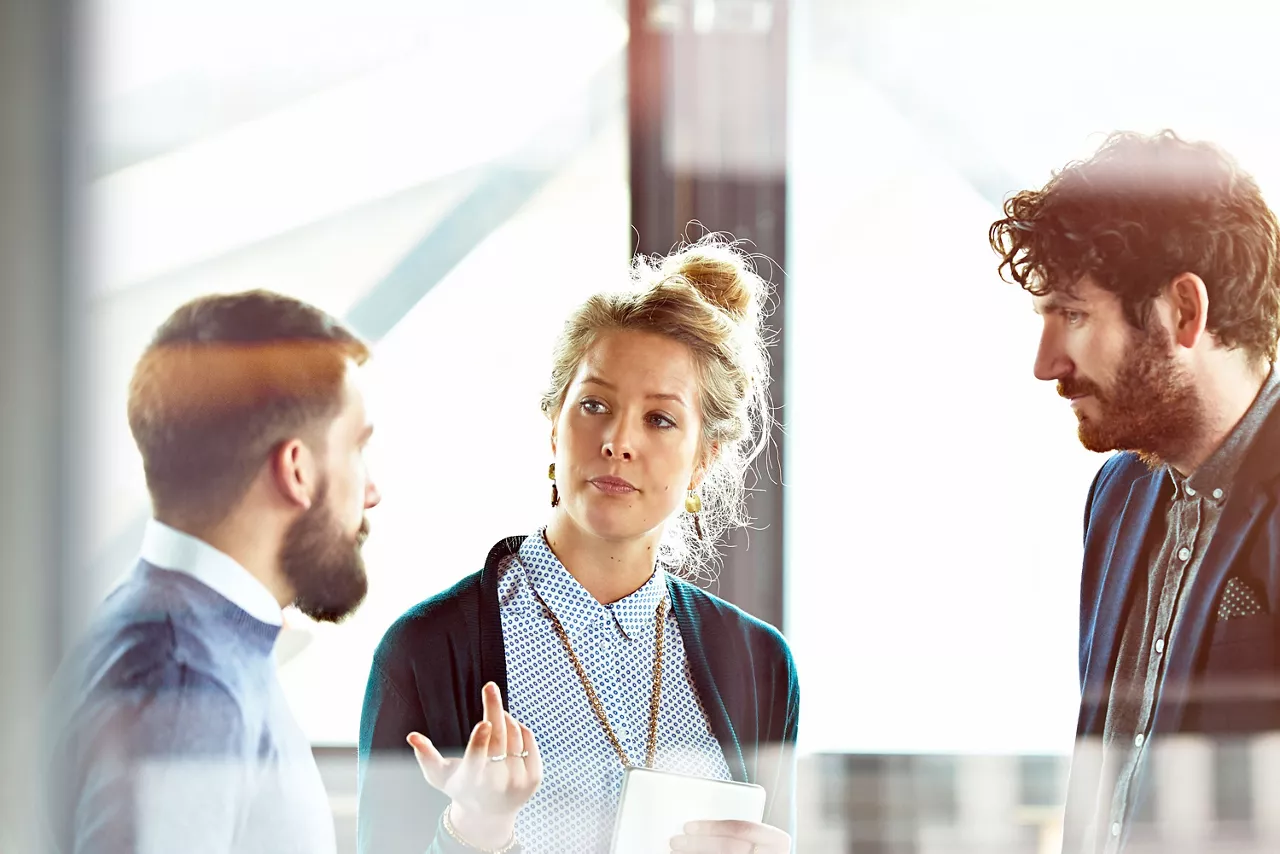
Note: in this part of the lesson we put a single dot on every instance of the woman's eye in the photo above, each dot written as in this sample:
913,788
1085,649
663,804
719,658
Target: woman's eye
594,407
661,421
1072,317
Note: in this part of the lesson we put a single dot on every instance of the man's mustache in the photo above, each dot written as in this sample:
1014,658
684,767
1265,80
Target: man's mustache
1078,388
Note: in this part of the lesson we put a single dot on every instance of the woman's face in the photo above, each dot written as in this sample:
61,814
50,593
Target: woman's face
627,440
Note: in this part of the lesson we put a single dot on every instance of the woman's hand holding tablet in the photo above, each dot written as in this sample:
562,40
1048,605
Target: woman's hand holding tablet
732,836
663,811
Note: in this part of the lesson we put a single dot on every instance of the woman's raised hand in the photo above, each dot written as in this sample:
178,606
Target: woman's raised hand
493,779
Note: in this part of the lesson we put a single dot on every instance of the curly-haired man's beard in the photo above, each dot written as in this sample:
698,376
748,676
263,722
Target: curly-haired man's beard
1151,408
324,564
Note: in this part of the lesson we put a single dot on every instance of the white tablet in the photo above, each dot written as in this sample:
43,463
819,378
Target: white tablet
656,805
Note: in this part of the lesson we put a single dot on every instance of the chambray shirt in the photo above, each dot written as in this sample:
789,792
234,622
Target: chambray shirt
1189,523
574,809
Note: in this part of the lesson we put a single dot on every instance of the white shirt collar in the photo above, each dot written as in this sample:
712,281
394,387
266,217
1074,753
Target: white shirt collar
169,548
570,601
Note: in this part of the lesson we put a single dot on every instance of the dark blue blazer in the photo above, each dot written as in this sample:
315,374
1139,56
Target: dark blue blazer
1221,677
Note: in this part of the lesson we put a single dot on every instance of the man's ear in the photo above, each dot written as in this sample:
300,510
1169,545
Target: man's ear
1189,299
294,473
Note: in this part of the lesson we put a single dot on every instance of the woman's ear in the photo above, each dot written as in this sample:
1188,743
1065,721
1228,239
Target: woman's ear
709,457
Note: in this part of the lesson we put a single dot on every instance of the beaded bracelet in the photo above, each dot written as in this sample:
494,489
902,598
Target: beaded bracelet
449,829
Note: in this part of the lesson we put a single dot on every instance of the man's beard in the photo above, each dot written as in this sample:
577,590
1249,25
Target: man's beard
323,564
1152,408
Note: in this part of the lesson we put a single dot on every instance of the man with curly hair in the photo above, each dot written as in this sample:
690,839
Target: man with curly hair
1155,267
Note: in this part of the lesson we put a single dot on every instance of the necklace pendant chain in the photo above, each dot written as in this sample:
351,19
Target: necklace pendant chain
597,706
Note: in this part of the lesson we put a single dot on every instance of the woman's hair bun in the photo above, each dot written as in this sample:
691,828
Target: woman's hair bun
721,273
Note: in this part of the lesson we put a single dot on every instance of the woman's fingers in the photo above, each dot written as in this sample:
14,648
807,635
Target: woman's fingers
434,766
753,832
515,739
532,762
496,718
712,845
492,781
731,836
476,757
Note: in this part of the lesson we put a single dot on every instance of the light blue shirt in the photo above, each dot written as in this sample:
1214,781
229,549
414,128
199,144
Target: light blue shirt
574,809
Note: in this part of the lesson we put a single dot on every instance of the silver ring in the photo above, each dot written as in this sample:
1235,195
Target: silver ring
521,755
497,758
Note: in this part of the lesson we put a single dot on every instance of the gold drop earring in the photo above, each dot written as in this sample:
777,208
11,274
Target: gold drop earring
555,492
693,505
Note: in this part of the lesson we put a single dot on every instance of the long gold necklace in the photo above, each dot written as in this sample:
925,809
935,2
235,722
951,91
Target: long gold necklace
651,749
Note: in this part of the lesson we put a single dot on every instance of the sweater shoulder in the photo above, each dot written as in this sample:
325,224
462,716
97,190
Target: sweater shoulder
166,630
720,619
138,688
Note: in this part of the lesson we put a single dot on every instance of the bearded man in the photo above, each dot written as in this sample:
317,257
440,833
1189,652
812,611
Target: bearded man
169,730
1154,267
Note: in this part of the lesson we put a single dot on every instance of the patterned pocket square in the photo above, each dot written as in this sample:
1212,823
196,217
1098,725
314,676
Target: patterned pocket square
1238,600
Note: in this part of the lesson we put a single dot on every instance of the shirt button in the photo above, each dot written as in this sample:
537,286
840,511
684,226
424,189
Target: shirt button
1139,740
1191,491
1159,645
1115,828
1184,553
1217,493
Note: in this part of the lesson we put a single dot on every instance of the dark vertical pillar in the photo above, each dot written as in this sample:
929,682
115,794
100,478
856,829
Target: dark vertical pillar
707,82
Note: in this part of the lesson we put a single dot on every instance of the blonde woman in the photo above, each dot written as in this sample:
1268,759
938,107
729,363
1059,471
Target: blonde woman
587,630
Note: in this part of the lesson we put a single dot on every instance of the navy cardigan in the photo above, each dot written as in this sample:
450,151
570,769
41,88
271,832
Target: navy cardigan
429,669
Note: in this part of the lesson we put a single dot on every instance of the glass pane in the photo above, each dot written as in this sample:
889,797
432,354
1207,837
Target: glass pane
450,178
943,616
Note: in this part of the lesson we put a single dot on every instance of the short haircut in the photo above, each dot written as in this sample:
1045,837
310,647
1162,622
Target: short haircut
225,381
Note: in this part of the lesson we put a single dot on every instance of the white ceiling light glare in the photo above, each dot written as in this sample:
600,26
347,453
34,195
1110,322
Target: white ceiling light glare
452,104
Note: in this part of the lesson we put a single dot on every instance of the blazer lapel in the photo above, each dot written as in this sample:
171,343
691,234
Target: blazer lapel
1124,565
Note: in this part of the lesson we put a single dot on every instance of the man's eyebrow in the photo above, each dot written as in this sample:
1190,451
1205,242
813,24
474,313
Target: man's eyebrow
1056,302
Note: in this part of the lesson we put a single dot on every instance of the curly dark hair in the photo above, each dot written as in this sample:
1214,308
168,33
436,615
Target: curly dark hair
1141,211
